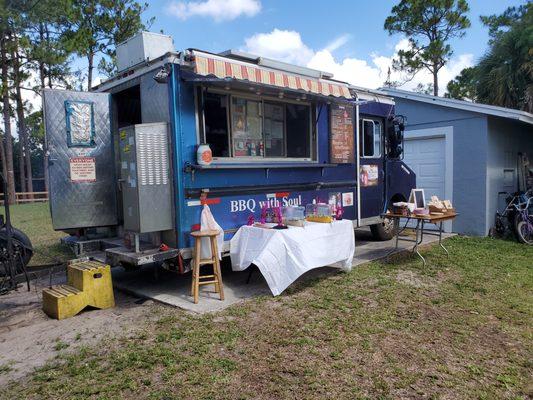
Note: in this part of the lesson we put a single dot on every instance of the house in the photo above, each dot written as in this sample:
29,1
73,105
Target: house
465,152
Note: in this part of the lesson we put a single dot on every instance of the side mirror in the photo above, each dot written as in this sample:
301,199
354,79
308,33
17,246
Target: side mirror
399,136
395,137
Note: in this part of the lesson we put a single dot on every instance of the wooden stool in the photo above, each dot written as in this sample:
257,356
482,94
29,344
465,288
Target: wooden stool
198,262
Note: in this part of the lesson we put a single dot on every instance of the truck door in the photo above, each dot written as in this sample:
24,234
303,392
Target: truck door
371,174
81,166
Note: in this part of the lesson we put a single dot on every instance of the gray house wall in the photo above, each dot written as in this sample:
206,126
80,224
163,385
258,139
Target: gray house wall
470,149
505,139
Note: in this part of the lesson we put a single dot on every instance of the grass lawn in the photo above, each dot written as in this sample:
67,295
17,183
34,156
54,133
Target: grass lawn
34,220
460,328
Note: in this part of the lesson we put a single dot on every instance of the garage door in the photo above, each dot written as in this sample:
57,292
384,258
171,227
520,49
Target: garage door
426,157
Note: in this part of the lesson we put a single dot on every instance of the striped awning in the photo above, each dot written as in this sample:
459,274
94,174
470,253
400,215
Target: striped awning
224,68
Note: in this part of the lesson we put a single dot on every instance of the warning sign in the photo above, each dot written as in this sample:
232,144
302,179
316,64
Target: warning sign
82,169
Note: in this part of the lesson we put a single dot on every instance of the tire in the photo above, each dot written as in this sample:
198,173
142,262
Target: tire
521,229
22,248
385,230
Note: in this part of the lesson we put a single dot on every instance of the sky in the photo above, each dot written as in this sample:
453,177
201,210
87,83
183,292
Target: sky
344,37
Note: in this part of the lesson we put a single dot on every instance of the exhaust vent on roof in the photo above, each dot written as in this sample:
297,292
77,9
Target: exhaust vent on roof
142,47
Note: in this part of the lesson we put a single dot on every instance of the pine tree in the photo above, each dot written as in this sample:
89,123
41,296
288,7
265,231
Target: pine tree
428,25
98,25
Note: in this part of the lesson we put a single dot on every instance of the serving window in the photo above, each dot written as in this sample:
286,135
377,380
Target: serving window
255,128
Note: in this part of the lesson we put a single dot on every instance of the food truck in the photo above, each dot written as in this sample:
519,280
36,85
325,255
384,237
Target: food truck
128,184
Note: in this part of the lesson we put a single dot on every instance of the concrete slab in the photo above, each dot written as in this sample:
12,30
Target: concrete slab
174,289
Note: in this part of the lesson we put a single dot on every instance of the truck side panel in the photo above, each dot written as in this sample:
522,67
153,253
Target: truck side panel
228,209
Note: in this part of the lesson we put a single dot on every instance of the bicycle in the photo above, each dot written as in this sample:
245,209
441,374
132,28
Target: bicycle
518,214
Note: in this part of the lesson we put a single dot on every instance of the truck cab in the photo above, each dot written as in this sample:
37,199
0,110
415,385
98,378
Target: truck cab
383,177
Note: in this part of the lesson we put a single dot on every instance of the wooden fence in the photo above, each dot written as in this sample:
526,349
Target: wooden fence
27,197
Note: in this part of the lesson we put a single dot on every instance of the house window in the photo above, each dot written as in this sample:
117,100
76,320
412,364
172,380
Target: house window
256,128
370,138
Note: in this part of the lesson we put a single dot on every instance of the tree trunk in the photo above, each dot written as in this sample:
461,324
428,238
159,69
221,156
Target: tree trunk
4,166
22,162
90,59
10,173
42,73
42,76
435,82
26,185
29,168
21,123
47,35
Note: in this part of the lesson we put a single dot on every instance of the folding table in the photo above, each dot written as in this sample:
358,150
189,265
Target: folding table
420,230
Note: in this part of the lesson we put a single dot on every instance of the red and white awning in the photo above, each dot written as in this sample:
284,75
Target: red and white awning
224,68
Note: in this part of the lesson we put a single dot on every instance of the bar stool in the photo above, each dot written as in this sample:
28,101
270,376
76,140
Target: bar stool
198,262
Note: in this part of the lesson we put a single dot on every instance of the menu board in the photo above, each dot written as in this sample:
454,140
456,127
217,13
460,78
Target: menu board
341,141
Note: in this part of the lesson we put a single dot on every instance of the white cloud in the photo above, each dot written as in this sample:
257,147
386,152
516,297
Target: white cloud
373,75
288,46
219,10
352,70
337,43
280,45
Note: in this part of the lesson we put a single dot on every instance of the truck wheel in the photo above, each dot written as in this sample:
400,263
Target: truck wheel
385,230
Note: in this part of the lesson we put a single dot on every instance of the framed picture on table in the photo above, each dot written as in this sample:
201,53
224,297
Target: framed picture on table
418,197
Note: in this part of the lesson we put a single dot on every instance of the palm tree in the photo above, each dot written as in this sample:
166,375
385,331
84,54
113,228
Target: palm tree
505,73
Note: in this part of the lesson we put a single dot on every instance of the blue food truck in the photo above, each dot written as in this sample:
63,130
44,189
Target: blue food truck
124,176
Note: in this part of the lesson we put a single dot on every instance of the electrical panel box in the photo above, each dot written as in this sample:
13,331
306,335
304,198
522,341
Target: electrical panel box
144,46
145,180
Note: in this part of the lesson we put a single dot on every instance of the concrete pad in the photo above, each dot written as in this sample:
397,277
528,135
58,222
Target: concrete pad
174,289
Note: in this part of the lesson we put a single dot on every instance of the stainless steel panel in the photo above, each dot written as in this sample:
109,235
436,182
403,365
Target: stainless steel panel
154,99
145,178
79,204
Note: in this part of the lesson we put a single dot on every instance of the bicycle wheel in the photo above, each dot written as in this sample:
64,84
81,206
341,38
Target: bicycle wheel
524,228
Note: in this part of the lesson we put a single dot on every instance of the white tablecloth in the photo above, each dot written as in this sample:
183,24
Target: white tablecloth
284,255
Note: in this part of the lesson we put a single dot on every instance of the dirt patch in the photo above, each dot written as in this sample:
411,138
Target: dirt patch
29,338
411,278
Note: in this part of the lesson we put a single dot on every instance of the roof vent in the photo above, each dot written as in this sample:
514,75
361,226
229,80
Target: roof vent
144,46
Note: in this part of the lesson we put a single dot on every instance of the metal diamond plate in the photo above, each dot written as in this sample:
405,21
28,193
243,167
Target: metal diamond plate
79,204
